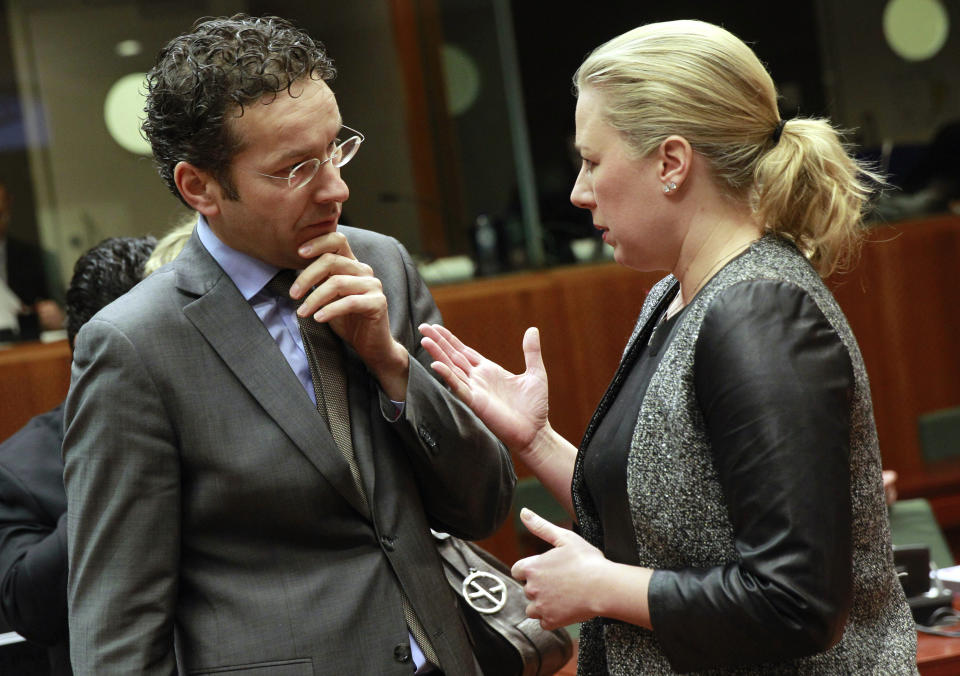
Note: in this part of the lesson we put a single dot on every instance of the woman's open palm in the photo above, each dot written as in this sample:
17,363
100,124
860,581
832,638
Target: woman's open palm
513,406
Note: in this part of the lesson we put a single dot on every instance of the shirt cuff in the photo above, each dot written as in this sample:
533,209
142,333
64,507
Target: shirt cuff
390,409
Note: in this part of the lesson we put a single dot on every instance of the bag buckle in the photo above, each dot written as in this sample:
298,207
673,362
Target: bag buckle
484,592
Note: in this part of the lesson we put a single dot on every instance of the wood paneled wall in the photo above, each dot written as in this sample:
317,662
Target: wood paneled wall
34,377
903,302
901,299
585,316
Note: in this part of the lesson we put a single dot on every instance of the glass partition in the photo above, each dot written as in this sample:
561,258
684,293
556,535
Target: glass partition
467,107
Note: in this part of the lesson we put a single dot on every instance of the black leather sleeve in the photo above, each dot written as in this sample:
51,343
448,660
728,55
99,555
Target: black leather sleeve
774,383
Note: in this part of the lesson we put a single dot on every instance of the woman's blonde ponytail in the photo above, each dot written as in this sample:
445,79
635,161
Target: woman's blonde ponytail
810,189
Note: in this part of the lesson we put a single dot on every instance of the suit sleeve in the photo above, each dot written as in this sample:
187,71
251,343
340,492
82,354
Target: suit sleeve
33,564
464,473
123,503
774,382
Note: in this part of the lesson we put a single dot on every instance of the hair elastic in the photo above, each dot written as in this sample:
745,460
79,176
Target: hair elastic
778,131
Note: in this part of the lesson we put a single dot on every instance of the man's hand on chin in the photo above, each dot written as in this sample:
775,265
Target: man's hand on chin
346,294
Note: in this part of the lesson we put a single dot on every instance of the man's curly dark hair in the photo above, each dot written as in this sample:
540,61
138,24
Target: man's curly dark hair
204,78
103,274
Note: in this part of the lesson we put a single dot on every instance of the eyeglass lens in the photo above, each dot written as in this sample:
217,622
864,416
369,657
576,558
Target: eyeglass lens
345,151
341,154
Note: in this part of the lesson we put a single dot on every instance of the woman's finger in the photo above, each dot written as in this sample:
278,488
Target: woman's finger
473,356
452,351
459,387
443,357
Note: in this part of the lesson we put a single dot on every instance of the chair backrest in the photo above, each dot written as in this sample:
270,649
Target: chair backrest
912,522
532,494
939,434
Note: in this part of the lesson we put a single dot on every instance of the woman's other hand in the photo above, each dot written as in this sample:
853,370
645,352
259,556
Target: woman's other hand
513,406
558,583
574,582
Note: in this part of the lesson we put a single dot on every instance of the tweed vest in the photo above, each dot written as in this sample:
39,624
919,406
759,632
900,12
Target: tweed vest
677,506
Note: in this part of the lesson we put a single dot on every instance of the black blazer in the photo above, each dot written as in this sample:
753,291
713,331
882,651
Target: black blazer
33,536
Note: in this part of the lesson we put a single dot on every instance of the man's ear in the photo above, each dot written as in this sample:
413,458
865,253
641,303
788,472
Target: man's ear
675,159
198,188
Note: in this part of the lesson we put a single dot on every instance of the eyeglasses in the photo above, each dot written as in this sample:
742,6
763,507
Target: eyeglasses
342,153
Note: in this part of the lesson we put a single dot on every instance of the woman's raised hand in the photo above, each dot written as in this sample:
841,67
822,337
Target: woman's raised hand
513,406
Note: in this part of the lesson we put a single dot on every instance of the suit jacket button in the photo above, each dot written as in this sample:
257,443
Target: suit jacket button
402,653
427,437
387,542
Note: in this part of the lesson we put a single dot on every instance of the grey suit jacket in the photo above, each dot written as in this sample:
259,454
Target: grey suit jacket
208,505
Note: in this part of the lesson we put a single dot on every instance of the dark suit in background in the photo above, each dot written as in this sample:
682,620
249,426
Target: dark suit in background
33,504
33,536
26,274
23,269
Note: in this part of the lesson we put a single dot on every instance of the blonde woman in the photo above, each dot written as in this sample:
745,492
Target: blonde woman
727,492
169,246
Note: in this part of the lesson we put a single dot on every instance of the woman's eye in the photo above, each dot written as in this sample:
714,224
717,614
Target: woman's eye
588,164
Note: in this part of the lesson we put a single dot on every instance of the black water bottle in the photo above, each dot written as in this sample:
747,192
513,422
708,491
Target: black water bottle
486,246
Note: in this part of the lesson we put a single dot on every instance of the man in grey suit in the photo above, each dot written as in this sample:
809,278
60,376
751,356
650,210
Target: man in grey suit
210,507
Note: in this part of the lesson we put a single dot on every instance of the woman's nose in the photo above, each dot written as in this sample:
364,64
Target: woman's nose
582,194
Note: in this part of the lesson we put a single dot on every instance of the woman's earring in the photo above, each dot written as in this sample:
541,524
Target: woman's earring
669,187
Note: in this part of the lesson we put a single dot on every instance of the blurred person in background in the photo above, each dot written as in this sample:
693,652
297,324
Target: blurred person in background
22,271
33,504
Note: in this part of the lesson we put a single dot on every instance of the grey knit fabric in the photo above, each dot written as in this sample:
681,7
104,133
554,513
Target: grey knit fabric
679,515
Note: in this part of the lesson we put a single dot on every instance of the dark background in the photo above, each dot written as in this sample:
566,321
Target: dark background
554,38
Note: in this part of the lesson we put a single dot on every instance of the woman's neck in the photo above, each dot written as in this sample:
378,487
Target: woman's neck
715,239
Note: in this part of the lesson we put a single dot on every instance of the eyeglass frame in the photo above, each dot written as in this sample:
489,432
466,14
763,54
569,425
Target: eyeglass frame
319,163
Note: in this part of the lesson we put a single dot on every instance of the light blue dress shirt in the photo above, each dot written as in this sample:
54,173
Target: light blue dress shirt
250,275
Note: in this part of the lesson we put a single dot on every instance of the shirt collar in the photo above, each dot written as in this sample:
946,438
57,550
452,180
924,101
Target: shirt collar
249,274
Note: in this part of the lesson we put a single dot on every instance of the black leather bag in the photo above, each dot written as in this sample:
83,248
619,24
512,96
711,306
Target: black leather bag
505,641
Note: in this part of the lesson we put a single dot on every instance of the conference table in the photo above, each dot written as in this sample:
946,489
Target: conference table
34,377
939,655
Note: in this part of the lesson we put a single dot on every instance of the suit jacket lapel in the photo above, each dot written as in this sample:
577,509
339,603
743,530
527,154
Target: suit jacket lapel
232,328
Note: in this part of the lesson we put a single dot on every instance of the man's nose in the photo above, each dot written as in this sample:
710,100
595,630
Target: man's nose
329,186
